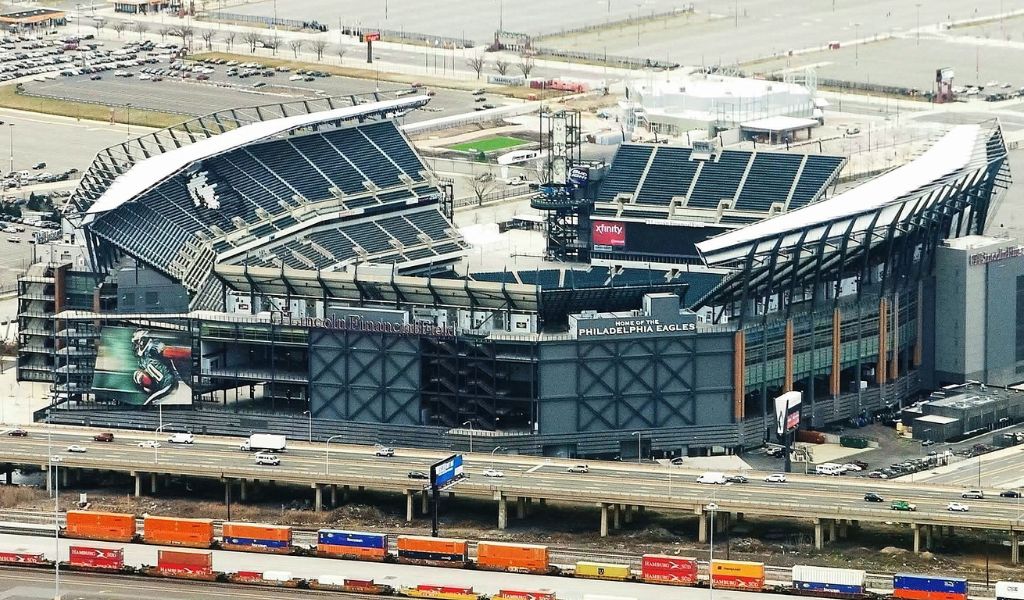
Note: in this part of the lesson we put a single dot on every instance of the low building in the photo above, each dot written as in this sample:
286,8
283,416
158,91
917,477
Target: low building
143,7
34,18
956,411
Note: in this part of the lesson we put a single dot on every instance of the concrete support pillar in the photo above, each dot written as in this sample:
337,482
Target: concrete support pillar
502,512
855,523
424,502
318,500
819,534
542,501
702,528
408,504
227,492
629,513
721,522
529,506
64,478
843,531
604,520
832,530
334,498
616,509
138,485
152,483
521,507
917,537
928,537
362,488
1014,548
243,490
739,517
344,495
640,509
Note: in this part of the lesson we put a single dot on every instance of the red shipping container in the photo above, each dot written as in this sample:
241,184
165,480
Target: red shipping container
360,583
249,575
185,563
97,558
676,570
927,595
444,589
524,595
21,558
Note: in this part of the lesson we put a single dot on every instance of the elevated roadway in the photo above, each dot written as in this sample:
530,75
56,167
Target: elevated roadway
833,504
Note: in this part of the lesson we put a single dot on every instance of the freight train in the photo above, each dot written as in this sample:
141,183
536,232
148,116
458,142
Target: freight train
533,559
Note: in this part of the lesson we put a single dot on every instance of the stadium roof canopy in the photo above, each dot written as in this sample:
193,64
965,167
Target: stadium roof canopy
892,222
143,175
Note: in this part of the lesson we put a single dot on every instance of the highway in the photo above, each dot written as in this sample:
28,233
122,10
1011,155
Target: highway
394,575
811,497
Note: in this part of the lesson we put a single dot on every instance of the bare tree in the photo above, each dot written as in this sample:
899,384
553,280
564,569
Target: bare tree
526,65
477,63
99,24
119,27
501,66
252,38
341,51
272,42
483,185
296,45
164,32
185,32
140,28
318,47
208,38
230,39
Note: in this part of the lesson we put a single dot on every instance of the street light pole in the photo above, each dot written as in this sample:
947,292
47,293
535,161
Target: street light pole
470,423
11,125
309,414
712,507
56,534
638,447
327,454
918,5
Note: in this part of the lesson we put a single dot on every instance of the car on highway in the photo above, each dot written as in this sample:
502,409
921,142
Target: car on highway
873,497
182,438
418,475
383,451
578,469
264,458
957,507
776,478
1010,494
56,458
17,433
76,448
737,479
902,505
106,436
492,472
975,494
149,444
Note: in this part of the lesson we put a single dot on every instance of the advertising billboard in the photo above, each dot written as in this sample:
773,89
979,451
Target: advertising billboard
608,234
446,472
787,412
140,366
579,176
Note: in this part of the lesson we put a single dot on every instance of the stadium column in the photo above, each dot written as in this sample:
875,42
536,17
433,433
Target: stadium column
883,337
739,360
920,324
894,362
837,359
788,383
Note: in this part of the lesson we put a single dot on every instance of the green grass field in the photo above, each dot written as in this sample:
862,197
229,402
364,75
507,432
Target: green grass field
489,144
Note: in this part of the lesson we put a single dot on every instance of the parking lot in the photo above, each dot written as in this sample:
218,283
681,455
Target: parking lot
145,79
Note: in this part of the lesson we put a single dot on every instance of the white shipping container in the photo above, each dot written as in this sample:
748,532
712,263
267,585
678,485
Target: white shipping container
330,580
277,576
602,597
829,575
1010,590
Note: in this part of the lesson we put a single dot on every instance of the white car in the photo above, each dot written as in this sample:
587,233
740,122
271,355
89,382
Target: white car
56,458
149,444
383,451
493,473
76,448
852,467
776,478
957,507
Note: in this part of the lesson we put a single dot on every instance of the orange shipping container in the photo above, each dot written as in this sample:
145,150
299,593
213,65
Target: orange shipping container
168,531
516,558
253,537
414,543
111,527
737,575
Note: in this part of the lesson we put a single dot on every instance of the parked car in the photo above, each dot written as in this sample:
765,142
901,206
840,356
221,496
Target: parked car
39,165
873,497
928,443
957,507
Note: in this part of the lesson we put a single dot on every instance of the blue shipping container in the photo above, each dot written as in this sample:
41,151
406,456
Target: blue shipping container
828,588
924,583
356,539
239,541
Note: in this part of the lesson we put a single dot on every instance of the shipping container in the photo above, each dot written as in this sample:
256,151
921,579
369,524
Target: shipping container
737,575
175,563
22,558
108,559
826,581
277,576
351,544
675,570
426,592
524,595
249,576
1009,590
110,527
252,537
593,570
434,551
925,587
514,558
168,531
452,589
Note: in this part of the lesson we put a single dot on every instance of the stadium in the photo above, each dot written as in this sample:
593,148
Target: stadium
295,268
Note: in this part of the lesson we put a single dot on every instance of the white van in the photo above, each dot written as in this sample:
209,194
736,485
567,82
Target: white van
182,438
713,478
265,458
829,469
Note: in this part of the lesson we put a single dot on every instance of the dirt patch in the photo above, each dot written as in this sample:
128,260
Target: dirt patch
11,96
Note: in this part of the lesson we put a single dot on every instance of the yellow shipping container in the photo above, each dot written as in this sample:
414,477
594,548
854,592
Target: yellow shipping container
592,570
737,568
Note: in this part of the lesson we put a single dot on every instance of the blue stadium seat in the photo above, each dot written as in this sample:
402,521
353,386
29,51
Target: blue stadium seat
769,180
627,167
719,180
818,171
670,175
